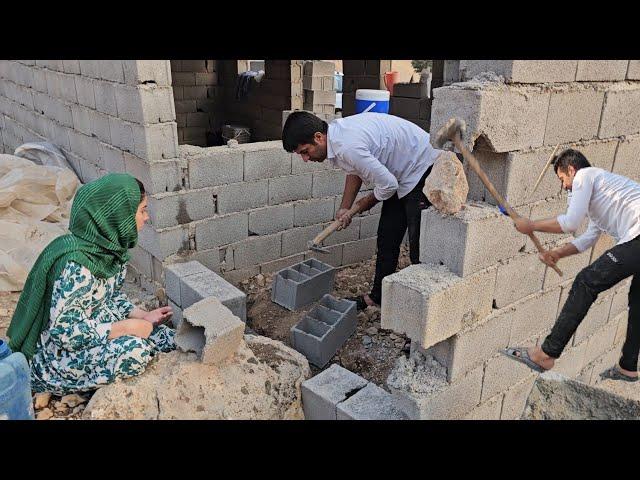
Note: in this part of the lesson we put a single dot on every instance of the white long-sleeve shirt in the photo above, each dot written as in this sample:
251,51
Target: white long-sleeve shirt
612,203
386,151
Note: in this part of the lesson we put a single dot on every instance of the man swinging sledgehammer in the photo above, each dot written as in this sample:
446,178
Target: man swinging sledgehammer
612,204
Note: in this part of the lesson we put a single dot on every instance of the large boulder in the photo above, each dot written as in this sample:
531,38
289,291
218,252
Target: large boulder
261,381
446,186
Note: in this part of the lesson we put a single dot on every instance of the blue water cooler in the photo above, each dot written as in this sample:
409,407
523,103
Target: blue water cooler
372,101
15,385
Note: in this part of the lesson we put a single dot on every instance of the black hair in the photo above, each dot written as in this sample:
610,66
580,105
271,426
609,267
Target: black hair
300,128
142,191
570,157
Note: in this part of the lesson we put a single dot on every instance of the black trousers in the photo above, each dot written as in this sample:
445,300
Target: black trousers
613,266
398,215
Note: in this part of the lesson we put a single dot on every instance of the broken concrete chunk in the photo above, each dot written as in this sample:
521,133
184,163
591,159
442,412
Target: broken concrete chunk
210,330
446,186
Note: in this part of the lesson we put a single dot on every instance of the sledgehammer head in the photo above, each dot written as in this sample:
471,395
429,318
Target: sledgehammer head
448,131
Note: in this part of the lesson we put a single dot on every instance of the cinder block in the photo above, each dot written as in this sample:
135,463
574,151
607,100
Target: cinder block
601,70
328,183
599,154
532,315
626,161
264,221
519,277
620,301
162,243
443,401
633,72
359,250
199,286
547,209
515,399
475,238
621,111
596,318
371,403
322,331
39,81
85,91
222,230
210,330
177,316
217,166
349,234
309,212
489,410
105,96
242,196
142,71
508,118
429,303
573,115
295,240
410,107
81,119
411,90
571,362
501,373
62,86
141,260
279,264
333,257
522,71
175,274
290,188
302,284
145,104
318,97
273,162
622,319
369,225
321,394
257,250
600,342
71,66
157,177
155,142
121,134
318,68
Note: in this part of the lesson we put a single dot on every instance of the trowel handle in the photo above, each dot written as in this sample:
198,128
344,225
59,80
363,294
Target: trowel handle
332,228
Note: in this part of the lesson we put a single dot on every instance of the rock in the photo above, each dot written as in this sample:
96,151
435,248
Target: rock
177,386
41,400
393,336
45,414
372,331
72,400
446,186
260,280
366,340
60,407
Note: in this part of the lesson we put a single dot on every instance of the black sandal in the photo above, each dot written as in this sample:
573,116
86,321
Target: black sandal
614,374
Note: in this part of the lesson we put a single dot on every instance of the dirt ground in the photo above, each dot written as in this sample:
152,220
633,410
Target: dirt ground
371,352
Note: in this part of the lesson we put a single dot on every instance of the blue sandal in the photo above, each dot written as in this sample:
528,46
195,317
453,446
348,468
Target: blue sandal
522,355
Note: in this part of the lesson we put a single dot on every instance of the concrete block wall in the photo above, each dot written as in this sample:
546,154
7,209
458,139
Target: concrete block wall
106,115
411,101
318,83
513,125
198,100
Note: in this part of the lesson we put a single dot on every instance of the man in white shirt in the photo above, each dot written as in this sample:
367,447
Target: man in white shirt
388,152
612,204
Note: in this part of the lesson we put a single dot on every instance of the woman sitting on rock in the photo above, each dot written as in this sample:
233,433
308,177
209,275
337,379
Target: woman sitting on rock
73,322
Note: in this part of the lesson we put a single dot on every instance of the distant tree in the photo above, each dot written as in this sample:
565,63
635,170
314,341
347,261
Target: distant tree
419,65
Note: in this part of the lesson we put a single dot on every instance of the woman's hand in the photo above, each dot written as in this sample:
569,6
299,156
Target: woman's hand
131,326
158,316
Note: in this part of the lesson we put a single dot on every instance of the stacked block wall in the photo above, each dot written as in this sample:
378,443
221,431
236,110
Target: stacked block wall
513,127
198,101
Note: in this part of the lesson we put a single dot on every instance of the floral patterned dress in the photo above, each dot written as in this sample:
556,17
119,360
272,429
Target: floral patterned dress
74,353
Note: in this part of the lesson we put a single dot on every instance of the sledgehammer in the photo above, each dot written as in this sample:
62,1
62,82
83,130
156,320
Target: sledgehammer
315,244
452,130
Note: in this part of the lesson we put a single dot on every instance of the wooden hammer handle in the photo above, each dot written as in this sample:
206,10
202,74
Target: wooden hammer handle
469,157
331,228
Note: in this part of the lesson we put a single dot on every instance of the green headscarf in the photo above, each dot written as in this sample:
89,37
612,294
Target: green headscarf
103,228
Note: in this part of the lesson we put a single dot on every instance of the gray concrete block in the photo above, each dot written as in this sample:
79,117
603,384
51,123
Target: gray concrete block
289,188
310,212
85,91
157,177
99,125
508,119
177,317
473,239
571,362
324,329
175,208
267,163
333,257
489,410
620,301
501,373
217,166
547,209
295,240
105,96
570,267
242,196
121,134
145,104
599,154
155,142
209,284
371,403
621,111
573,115
328,183
411,90
301,284
264,221
321,394
162,243
174,275
210,330
429,303
519,277
359,250
141,71
626,161
596,318
601,70
256,250
515,399
280,263
600,342
633,72
222,230
532,315
522,71
369,226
